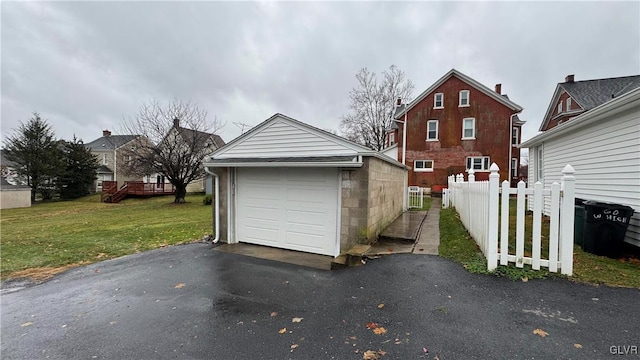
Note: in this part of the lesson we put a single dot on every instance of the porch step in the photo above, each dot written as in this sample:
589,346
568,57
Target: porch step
405,227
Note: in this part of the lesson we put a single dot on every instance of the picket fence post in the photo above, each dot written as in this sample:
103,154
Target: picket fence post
567,208
492,236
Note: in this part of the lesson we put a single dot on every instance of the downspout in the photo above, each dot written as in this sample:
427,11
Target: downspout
404,139
216,217
511,146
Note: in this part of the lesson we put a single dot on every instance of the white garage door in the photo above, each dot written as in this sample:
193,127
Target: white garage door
290,208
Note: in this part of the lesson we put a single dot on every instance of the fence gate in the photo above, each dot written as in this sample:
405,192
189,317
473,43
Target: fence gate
415,197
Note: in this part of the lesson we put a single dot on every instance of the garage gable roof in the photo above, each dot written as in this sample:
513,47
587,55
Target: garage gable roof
283,137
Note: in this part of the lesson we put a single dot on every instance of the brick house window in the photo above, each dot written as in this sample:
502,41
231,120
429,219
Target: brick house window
432,130
463,99
514,136
422,165
392,139
478,163
468,128
568,104
560,107
514,167
438,101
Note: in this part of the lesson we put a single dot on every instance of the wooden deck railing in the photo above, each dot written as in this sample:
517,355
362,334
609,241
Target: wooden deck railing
112,194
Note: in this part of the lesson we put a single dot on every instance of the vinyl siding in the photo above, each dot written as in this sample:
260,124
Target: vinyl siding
284,139
606,157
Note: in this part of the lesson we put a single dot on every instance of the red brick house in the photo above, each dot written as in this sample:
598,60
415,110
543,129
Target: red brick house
454,125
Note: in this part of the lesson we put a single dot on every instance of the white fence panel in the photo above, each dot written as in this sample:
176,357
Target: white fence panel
415,197
477,203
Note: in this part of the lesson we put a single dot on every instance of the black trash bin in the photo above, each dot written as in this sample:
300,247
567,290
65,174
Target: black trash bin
578,224
604,227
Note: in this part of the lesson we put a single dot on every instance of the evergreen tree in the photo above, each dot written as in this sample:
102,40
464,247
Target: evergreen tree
79,172
36,155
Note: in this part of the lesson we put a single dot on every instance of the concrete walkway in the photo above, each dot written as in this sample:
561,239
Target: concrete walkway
429,236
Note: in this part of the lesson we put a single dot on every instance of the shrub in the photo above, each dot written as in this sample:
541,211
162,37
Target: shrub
207,200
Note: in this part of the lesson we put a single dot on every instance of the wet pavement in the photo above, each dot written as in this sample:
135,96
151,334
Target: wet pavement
191,302
406,227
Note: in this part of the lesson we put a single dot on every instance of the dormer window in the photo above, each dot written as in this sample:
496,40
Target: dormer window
392,139
568,104
560,107
438,101
463,99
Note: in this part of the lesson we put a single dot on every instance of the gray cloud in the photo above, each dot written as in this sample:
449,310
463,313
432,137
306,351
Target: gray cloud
87,65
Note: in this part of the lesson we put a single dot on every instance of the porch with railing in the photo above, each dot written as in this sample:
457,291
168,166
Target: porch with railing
112,194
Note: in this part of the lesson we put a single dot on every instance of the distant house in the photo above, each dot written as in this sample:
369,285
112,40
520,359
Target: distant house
188,137
599,135
455,125
14,196
8,169
113,153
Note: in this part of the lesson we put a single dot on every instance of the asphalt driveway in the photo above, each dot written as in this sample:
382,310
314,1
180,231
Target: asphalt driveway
190,302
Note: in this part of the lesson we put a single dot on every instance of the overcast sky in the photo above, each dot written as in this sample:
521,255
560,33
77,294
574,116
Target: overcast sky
85,66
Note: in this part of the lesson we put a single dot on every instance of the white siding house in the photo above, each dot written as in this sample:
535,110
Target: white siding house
603,145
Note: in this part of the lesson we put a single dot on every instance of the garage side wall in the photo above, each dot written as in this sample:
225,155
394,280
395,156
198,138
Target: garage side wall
15,198
385,195
223,173
354,214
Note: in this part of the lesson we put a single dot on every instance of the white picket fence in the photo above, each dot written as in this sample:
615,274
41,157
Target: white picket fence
415,196
483,207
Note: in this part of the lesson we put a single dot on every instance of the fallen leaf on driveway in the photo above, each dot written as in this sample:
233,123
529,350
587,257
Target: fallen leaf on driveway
577,346
293,346
382,352
380,306
424,350
370,355
436,357
282,331
273,313
296,319
525,279
540,332
179,286
379,331
28,323
372,325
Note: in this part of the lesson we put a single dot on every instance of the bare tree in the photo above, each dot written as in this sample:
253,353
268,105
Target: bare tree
373,104
175,138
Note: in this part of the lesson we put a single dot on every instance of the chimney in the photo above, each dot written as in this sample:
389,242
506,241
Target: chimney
569,78
176,122
399,101
499,88
106,133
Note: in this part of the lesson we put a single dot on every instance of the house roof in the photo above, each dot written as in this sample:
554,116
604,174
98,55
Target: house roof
5,185
284,140
591,93
504,100
195,134
599,113
110,142
102,169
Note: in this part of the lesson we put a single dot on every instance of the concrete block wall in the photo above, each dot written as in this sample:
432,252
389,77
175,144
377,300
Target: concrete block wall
386,191
354,214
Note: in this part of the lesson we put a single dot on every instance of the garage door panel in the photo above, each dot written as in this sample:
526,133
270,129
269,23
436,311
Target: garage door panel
288,208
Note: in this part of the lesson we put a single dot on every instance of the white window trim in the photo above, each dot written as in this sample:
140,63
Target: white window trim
437,130
514,167
423,169
435,100
392,139
560,107
514,139
473,128
460,104
486,163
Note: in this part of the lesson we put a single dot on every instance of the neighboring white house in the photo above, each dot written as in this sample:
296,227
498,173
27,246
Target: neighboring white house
603,145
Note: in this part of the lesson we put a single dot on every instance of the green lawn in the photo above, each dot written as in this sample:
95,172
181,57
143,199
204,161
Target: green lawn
457,245
61,234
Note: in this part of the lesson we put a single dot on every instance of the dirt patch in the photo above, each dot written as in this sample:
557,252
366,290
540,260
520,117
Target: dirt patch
40,274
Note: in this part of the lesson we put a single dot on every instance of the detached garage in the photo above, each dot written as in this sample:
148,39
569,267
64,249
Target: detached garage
289,185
